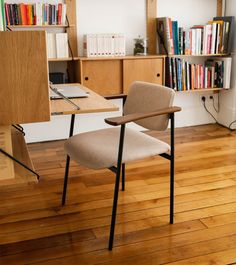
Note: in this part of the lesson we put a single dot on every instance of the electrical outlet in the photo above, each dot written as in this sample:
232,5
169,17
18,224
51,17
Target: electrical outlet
203,98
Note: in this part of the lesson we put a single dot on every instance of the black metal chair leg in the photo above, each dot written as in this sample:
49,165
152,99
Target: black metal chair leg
172,191
63,200
172,167
123,176
65,180
116,191
114,209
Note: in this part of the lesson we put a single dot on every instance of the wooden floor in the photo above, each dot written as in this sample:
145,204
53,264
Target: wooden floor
35,229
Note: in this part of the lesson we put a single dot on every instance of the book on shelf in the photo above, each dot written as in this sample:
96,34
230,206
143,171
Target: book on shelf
175,33
183,76
214,37
222,68
109,44
38,13
57,45
164,32
2,16
228,32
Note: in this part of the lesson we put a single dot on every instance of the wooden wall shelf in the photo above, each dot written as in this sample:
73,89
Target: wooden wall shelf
202,90
61,59
127,57
37,26
198,55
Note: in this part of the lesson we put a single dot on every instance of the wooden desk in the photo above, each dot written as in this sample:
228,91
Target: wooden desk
94,103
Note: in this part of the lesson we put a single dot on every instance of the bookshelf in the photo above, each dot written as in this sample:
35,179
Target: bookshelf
151,14
177,65
69,27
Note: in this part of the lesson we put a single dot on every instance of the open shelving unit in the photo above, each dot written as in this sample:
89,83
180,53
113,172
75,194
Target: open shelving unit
152,10
70,28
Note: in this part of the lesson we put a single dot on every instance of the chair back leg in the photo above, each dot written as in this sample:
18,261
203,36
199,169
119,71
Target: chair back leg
123,176
63,200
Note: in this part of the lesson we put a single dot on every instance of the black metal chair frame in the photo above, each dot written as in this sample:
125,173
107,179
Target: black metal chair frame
121,169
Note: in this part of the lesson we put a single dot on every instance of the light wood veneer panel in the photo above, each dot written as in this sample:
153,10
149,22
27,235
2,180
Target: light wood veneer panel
24,92
103,77
150,70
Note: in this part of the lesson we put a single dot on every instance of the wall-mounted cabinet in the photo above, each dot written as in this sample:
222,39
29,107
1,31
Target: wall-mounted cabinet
114,75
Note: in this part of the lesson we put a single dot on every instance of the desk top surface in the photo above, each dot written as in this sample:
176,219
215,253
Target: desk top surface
93,103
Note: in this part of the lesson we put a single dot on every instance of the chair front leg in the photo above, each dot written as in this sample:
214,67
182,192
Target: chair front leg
116,191
172,168
63,200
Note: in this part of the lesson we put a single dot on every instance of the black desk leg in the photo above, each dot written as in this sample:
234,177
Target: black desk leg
72,122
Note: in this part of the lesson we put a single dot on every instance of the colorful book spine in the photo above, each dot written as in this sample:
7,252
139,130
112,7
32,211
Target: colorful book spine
34,14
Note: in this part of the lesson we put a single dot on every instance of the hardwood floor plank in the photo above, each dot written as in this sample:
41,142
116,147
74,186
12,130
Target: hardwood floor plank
179,253
217,220
146,246
219,258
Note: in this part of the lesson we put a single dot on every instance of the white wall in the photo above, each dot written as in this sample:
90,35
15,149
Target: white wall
228,98
111,16
103,16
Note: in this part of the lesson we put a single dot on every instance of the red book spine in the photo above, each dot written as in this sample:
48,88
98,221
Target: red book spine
7,14
193,85
209,78
59,13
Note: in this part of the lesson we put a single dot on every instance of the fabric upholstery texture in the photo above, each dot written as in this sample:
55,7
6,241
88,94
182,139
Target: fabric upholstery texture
99,149
146,97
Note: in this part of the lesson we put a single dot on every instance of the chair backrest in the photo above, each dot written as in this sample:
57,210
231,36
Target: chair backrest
145,97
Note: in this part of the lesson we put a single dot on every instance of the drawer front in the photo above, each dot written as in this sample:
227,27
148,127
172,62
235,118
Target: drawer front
148,70
102,76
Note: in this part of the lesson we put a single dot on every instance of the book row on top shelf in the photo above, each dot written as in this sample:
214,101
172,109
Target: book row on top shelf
213,38
40,14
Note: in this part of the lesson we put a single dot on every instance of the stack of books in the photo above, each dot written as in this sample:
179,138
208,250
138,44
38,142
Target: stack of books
57,45
215,37
183,76
96,45
35,14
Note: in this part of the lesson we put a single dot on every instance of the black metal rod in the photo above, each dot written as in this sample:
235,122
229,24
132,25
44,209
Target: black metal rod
19,128
116,191
172,166
113,169
123,176
167,156
19,162
63,200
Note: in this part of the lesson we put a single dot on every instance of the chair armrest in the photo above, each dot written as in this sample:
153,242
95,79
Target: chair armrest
115,121
123,96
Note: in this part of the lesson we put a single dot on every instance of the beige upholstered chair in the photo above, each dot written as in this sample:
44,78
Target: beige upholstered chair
148,105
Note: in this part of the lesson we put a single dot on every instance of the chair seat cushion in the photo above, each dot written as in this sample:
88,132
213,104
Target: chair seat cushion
99,149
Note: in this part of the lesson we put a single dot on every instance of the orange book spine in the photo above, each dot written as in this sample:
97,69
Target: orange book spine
23,14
